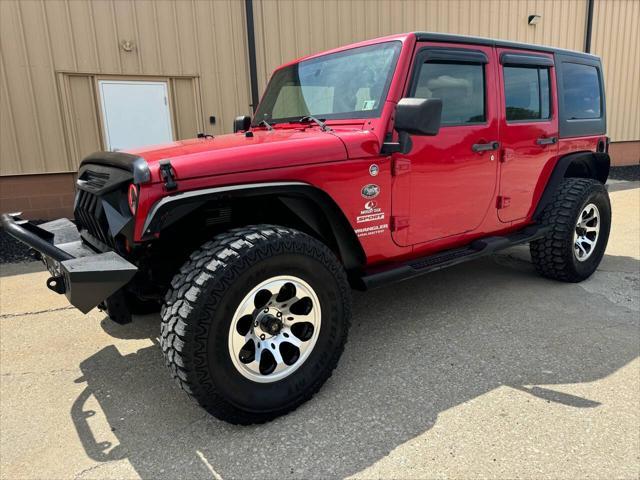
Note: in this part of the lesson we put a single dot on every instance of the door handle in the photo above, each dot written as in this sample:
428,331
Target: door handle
485,147
547,140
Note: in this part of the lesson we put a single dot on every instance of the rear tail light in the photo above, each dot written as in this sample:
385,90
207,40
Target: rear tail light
133,198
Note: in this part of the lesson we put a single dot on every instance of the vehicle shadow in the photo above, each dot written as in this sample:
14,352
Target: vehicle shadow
416,349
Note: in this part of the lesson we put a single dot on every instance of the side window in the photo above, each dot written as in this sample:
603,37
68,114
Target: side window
526,92
459,86
581,90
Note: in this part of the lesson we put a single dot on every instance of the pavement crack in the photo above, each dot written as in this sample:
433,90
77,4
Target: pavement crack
48,372
36,312
89,469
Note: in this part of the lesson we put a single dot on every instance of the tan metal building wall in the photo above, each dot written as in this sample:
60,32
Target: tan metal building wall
616,38
287,29
52,52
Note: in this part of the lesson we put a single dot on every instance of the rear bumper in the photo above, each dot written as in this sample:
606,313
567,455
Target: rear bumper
86,277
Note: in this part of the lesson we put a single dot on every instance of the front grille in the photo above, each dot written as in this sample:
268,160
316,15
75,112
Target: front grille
91,217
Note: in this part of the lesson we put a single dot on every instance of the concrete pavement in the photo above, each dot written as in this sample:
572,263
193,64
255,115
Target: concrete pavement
482,370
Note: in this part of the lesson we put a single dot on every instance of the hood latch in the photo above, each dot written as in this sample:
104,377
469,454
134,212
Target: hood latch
168,174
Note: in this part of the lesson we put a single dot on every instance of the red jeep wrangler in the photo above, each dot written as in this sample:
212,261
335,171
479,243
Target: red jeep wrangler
365,165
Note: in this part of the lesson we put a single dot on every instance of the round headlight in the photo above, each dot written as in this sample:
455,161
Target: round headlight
133,198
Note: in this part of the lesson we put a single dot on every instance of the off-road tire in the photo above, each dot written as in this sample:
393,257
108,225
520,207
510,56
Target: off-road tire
553,255
122,305
204,294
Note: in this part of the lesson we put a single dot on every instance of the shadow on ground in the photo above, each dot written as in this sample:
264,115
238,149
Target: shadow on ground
416,349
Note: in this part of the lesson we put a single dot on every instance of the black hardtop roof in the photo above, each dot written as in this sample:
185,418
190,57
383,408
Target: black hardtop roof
446,37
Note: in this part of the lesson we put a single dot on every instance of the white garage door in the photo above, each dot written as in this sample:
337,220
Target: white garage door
135,113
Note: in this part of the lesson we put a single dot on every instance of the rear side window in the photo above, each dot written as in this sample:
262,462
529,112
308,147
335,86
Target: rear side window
526,91
459,86
581,86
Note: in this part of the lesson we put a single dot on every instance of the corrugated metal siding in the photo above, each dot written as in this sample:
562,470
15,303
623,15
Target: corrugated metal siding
41,39
52,50
616,38
287,29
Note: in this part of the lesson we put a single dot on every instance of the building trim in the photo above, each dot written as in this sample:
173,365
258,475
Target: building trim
251,46
589,27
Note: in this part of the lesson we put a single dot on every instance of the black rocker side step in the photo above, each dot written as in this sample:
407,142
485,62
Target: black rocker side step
476,249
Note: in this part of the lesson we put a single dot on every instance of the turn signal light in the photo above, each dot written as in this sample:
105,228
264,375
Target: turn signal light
133,198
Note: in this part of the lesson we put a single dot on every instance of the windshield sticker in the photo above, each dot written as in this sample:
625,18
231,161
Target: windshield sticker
368,105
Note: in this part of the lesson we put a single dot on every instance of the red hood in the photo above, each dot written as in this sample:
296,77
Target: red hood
282,147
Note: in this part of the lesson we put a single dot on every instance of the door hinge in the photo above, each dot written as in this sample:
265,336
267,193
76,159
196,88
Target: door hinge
168,174
400,166
503,202
399,223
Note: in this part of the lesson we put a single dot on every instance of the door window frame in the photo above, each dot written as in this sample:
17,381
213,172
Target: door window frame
453,56
511,58
504,95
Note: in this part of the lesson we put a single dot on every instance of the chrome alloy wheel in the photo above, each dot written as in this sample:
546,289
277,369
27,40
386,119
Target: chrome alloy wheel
586,232
274,329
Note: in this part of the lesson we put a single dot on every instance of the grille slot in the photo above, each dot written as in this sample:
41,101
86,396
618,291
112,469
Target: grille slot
96,180
90,216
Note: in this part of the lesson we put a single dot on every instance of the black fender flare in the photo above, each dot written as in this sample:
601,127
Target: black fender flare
587,164
313,206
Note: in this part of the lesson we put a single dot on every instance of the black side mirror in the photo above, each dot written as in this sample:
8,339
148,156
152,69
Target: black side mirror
416,116
419,116
241,123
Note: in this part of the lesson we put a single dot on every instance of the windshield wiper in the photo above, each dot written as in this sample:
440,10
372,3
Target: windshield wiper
309,118
266,124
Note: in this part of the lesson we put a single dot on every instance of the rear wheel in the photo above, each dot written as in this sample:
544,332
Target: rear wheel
255,322
580,220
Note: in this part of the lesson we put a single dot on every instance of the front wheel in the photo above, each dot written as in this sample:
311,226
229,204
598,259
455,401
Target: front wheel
255,322
580,220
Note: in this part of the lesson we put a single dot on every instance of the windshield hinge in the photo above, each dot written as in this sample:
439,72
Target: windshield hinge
168,175
400,166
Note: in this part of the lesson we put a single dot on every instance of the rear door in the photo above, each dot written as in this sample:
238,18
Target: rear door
450,179
528,130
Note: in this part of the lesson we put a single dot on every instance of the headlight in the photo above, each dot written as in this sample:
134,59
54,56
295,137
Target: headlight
133,198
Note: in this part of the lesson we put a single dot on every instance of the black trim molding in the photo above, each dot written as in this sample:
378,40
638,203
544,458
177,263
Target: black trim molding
524,60
468,40
454,55
136,165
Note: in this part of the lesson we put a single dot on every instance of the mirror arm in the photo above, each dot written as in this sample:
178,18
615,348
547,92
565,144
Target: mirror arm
403,145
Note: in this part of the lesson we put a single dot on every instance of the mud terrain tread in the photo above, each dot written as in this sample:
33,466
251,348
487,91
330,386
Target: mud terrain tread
222,260
549,254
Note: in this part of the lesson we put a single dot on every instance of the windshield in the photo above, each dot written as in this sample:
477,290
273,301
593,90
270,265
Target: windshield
348,84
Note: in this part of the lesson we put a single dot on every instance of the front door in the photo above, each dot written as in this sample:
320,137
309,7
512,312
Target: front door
134,113
451,177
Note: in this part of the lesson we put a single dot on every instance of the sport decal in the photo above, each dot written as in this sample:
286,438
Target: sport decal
370,218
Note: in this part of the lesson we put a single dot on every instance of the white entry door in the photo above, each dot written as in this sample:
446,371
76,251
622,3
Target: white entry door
135,113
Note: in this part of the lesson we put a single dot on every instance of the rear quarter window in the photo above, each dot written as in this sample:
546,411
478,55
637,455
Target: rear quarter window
581,87
581,95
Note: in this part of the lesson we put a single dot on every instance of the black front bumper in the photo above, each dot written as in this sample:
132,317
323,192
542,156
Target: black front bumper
85,276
